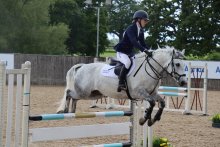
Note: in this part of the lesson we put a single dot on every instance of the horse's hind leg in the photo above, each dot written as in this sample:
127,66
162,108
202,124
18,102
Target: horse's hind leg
148,112
65,102
72,108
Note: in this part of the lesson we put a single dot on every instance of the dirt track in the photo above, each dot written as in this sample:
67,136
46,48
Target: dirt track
181,130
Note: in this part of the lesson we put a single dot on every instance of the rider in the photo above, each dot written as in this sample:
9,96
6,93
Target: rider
133,38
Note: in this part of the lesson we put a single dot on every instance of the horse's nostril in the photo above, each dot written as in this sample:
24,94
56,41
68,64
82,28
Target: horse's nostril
183,83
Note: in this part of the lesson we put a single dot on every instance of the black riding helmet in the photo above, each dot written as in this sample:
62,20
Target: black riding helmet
140,14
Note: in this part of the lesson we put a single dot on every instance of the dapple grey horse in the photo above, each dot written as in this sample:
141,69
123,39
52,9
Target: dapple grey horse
85,81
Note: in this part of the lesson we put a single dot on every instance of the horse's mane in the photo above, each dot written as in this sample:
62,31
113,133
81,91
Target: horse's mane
166,49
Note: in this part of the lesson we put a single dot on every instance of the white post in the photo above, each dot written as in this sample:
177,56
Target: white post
187,102
205,90
26,104
150,136
138,126
133,121
9,109
18,110
145,127
2,84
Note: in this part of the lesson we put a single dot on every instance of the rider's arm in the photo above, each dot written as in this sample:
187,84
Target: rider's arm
132,35
142,42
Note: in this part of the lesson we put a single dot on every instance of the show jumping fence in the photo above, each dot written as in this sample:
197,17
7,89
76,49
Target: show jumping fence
21,134
8,107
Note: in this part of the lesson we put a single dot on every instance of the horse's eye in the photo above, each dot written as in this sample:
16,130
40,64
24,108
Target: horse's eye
177,64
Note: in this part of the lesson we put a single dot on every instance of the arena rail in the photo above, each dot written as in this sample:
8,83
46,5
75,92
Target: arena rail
22,75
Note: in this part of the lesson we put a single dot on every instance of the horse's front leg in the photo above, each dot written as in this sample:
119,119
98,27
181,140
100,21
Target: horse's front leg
159,112
148,112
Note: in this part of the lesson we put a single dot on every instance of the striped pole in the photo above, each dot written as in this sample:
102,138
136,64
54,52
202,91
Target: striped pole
127,144
79,115
172,94
173,88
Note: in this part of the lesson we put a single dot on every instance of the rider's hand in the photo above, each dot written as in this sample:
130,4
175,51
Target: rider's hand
148,53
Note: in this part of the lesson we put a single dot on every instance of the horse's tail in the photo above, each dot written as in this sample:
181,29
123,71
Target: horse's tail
64,103
71,75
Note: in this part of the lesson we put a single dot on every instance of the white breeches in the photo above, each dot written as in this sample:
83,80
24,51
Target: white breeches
123,58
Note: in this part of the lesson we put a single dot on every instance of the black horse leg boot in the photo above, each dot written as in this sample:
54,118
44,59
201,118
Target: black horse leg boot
122,77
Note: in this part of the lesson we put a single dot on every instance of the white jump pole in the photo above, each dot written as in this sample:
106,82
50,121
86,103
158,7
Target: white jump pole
9,109
205,111
2,84
187,102
26,104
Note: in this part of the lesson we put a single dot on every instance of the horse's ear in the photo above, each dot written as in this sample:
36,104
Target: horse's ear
179,55
158,47
183,52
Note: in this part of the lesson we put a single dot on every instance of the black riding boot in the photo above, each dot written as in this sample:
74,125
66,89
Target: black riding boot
122,77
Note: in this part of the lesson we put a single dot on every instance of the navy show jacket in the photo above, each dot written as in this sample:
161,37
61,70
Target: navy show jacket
131,40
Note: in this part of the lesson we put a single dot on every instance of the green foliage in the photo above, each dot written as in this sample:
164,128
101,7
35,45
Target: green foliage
81,20
216,118
108,53
212,56
70,25
26,28
160,142
120,16
184,24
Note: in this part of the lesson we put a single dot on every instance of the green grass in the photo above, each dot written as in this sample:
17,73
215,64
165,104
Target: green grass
108,53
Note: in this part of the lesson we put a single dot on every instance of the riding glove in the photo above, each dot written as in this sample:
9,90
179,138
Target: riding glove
148,53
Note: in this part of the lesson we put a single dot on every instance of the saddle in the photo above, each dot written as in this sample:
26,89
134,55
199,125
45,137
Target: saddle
118,65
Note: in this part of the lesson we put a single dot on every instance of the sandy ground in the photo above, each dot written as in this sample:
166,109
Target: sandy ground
181,130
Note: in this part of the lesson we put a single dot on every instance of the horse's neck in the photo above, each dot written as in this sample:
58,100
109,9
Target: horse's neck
160,60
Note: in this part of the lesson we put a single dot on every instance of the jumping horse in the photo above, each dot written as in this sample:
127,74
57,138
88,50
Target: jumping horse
86,81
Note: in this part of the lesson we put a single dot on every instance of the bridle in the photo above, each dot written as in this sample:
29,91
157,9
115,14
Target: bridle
159,75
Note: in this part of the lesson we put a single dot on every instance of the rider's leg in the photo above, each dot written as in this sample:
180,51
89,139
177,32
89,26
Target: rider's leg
122,77
123,58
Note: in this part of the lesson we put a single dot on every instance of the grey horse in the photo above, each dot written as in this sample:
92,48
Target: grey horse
85,81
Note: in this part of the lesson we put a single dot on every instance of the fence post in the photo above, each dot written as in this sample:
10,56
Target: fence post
26,104
187,103
205,90
2,84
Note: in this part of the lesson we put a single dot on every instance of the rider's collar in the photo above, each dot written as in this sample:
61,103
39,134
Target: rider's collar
138,27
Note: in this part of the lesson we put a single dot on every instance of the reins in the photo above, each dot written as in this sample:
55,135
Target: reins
158,74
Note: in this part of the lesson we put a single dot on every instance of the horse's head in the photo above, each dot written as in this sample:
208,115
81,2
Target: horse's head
176,67
171,61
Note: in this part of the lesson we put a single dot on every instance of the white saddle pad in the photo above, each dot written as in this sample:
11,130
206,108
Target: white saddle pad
108,70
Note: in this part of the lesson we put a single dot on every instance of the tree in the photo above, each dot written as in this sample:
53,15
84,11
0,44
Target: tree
120,16
26,28
81,20
198,30
185,24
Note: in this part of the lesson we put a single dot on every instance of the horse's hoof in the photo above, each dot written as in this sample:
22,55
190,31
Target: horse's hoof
61,111
142,121
119,89
93,106
150,122
66,110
